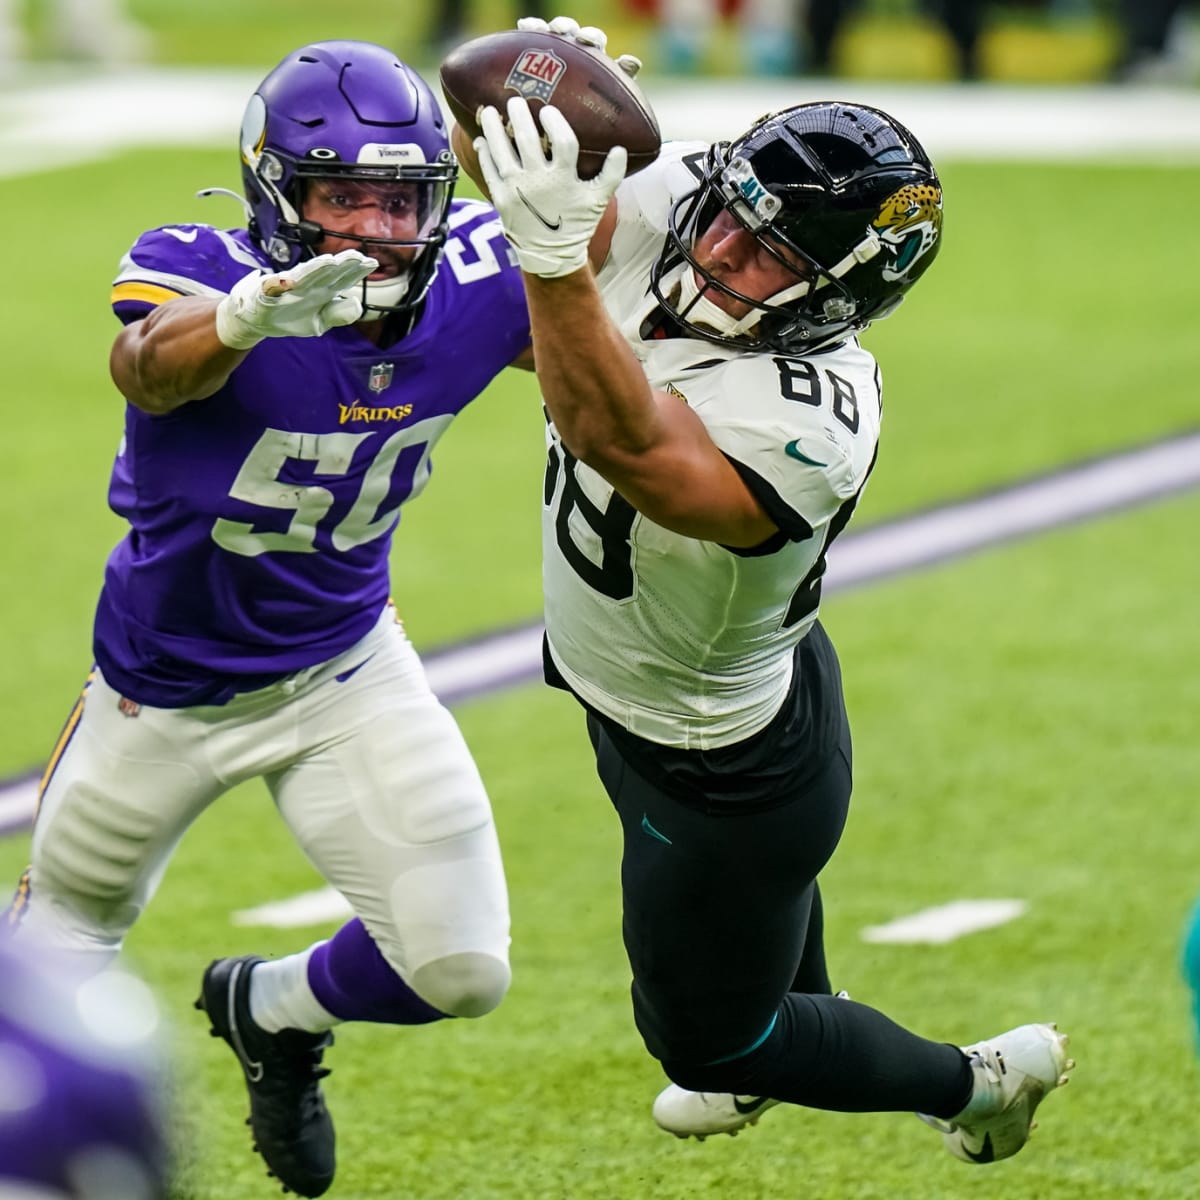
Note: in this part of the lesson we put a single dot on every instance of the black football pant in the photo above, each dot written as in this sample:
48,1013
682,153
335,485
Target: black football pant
723,927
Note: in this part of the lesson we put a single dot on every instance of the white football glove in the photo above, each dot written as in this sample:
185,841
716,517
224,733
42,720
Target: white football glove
548,213
303,301
588,35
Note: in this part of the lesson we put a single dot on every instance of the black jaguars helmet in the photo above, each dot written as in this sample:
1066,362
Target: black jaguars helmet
843,187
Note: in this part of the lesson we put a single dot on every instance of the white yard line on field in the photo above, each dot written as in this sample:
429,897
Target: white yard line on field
49,119
930,927
298,912
946,923
513,656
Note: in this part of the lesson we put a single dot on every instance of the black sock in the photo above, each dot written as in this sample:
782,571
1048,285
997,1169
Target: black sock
831,1053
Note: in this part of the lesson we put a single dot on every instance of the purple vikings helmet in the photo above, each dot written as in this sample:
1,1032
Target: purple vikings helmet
844,189
80,1113
347,111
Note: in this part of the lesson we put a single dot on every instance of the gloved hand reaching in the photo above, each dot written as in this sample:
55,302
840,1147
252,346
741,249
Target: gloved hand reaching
304,301
548,213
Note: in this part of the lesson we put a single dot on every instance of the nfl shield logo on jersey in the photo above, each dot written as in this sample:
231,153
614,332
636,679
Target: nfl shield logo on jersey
535,74
380,377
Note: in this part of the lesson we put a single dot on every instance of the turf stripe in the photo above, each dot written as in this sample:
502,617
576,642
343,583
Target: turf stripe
909,543
299,911
1062,497
1081,492
18,801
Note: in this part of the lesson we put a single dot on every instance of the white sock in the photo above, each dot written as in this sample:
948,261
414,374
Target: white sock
280,997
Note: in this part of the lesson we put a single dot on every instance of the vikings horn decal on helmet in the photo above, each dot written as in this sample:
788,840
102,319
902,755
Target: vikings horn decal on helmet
348,115
842,194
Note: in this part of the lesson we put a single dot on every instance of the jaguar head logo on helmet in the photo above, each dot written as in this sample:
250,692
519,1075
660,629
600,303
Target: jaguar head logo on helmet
910,226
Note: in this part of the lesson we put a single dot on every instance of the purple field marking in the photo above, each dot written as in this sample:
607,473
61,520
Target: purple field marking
495,661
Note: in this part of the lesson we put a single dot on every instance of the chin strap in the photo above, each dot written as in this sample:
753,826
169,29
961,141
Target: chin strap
863,252
384,295
697,309
204,194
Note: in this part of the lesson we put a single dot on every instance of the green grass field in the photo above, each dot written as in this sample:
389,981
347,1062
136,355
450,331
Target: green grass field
1024,720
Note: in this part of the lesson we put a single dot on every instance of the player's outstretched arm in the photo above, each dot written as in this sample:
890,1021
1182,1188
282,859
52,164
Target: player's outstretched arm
172,356
648,444
186,349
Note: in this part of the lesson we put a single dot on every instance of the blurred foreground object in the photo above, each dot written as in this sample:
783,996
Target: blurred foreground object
81,1113
1191,967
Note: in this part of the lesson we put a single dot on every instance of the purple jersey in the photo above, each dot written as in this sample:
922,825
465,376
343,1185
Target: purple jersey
261,518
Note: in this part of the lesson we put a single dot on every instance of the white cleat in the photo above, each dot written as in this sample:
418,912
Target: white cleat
697,1114
1014,1073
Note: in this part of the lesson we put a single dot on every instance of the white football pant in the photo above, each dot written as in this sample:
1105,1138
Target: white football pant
367,768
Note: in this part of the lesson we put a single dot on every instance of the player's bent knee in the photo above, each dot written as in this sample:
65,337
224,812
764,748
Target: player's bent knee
740,1075
463,985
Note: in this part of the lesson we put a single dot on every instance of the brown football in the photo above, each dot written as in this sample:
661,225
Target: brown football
604,106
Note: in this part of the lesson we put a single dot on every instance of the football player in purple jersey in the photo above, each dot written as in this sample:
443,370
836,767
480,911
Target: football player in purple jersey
713,421
82,1082
286,384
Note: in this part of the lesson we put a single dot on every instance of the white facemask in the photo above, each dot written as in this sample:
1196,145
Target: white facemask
384,293
700,310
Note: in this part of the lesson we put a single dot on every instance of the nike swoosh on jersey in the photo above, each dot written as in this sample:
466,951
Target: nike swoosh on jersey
750,1105
654,833
184,235
353,670
792,449
540,216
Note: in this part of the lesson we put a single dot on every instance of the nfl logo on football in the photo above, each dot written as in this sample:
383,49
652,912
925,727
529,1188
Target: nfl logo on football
380,377
535,74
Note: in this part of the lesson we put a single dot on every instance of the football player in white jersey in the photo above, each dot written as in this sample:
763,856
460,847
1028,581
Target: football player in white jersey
712,423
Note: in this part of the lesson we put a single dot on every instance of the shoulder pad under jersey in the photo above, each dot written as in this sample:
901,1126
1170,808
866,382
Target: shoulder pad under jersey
181,260
807,427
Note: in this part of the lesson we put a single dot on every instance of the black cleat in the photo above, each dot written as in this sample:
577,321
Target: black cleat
292,1128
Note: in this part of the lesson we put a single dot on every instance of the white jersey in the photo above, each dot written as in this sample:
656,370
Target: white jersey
685,642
